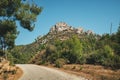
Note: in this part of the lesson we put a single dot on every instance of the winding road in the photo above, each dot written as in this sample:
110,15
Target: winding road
35,72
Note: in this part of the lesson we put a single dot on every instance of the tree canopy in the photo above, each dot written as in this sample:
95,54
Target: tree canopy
11,12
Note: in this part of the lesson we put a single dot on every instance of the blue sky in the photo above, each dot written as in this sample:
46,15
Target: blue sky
96,15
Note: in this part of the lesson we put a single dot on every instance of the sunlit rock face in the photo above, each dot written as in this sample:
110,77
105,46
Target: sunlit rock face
61,26
79,30
89,32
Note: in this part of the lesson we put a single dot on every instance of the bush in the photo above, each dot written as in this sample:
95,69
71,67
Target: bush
2,53
60,62
93,58
116,62
105,57
81,59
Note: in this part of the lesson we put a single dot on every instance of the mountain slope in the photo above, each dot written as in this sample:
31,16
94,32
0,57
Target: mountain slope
66,44
60,32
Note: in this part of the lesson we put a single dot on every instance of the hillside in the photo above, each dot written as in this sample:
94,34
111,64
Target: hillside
68,44
73,49
60,31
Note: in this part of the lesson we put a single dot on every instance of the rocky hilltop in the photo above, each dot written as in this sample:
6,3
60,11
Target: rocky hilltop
62,26
63,31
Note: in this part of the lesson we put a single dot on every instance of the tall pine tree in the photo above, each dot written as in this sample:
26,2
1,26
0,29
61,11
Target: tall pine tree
11,11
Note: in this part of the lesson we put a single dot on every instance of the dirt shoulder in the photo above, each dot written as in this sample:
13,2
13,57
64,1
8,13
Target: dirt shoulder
94,72
91,72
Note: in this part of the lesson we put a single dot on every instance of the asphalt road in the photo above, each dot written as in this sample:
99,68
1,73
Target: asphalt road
35,72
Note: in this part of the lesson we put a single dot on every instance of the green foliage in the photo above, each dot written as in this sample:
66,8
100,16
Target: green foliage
10,58
73,49
118,34
108,51
103,57
51,53
2,53
8,7
90,49
19,57
118,41
27,14
116,62
70,50
8,33
60,62
35,9
12,11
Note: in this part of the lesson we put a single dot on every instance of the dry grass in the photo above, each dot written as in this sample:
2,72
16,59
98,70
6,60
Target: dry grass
93,72
12,76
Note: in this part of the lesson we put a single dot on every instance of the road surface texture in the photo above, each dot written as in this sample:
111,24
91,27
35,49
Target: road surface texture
35,72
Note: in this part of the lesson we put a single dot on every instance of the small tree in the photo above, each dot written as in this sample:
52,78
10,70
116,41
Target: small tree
73,50
10,12
118,40
118,34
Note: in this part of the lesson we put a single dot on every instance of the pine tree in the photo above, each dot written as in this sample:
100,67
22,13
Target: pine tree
11,11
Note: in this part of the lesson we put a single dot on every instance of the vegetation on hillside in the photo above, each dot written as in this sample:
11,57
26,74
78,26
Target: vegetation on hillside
83,51
75,48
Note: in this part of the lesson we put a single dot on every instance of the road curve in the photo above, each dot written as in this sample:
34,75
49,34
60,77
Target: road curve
35,72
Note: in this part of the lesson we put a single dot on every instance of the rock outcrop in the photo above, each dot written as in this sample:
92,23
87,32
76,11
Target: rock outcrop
62,31
62,27
79,30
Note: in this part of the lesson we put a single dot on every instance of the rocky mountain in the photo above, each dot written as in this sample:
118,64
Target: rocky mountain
62,27
65,44
60,31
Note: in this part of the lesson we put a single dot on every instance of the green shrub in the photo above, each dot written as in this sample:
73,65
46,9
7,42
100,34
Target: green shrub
2,53
81,59
116,62
105,57
60,62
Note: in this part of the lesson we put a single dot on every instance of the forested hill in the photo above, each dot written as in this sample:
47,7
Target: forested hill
66,44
